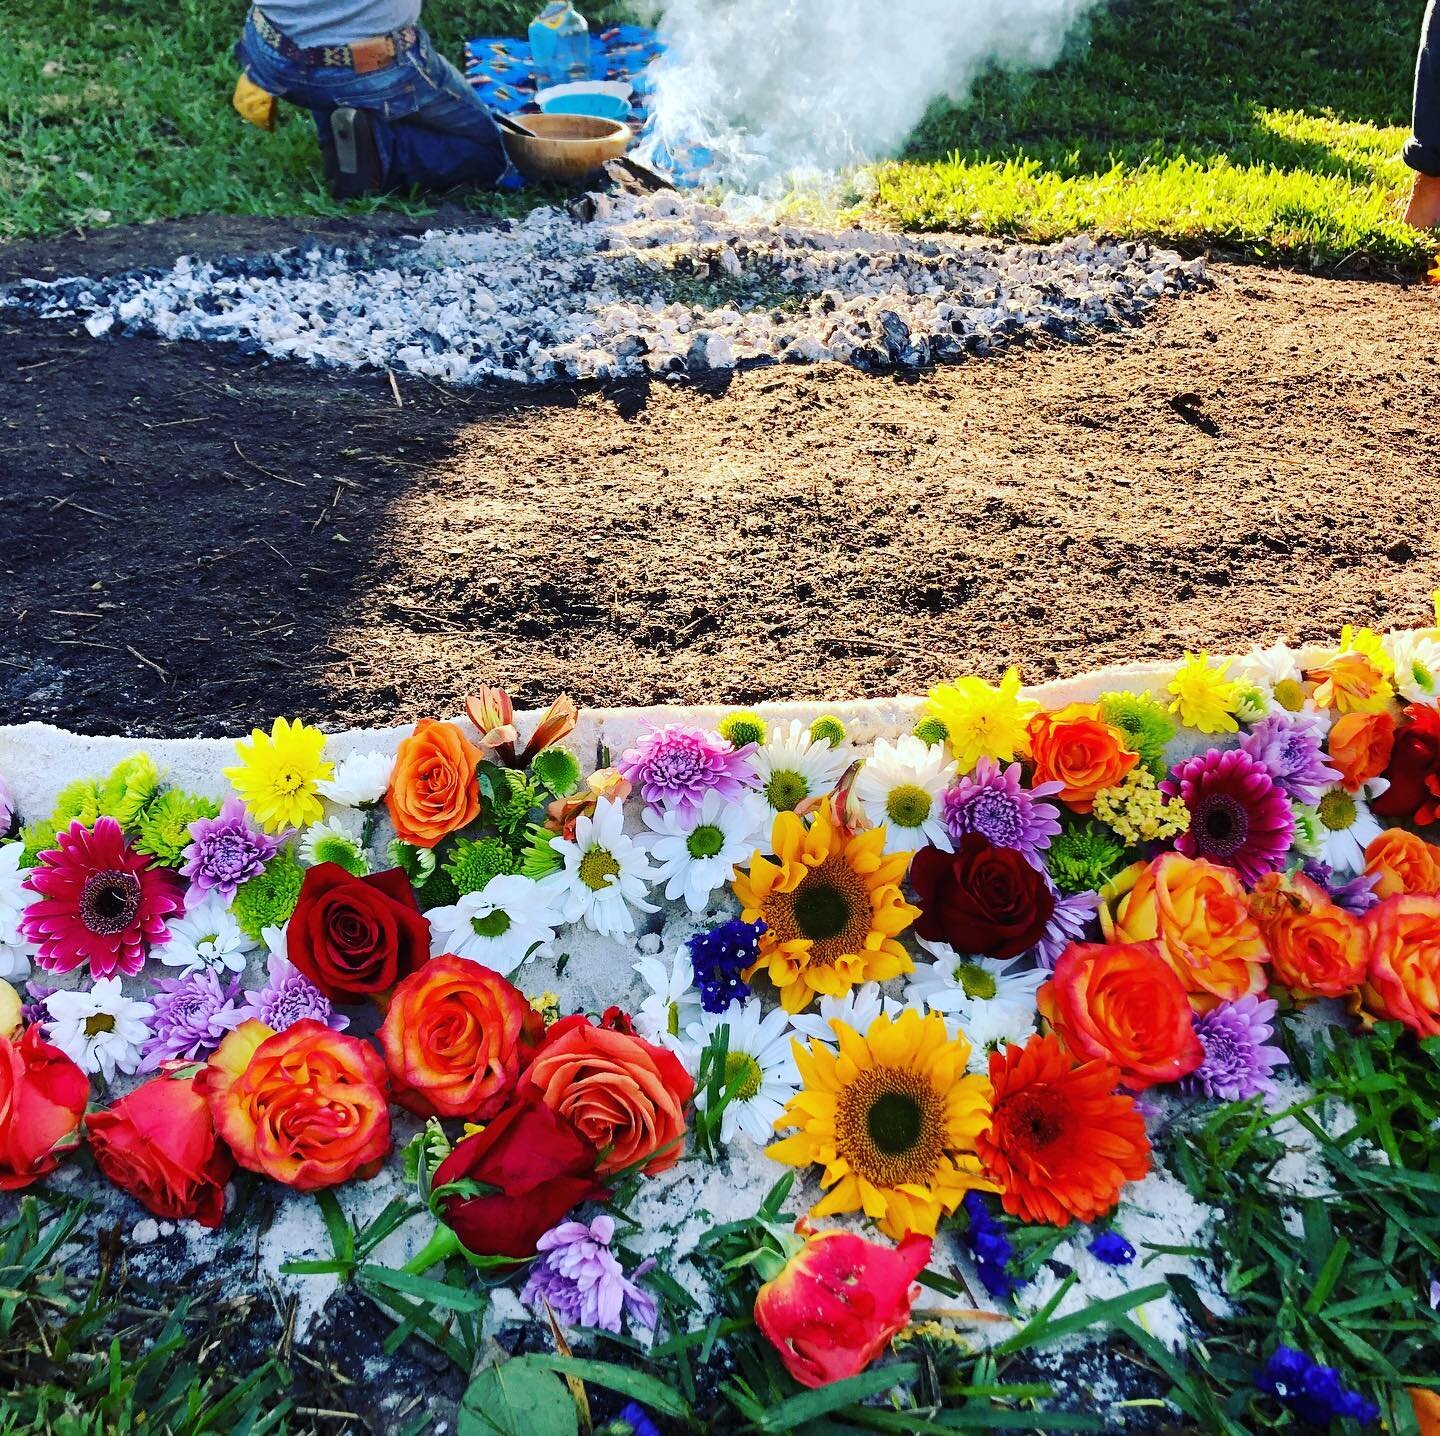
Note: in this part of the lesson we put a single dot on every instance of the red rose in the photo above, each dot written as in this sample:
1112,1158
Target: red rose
159,1145
42,1099
1414,769
357,937
980,899
540,1168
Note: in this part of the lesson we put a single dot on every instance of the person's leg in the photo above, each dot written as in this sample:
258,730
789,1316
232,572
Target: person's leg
1422,152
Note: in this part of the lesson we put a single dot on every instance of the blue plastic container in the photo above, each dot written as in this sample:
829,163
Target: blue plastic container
560,45
590,102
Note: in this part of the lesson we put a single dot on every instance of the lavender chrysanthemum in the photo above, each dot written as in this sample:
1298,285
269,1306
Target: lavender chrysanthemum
1239,817
1356,895
675,766
990,800
582,1279
192,1015
225,851
1238,1058
288,997
1071,921
1290,748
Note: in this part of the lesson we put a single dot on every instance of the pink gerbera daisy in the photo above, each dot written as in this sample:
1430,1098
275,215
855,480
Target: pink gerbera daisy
1239,817
100,902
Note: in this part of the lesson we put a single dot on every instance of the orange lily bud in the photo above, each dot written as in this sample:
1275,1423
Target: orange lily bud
560,718
493,715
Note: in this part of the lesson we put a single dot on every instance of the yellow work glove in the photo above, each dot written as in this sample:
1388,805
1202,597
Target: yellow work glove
253,104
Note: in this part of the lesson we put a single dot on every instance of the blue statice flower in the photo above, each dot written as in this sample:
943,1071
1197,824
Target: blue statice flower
719,957
990,1249
637,1418
1111,1248
1313,1392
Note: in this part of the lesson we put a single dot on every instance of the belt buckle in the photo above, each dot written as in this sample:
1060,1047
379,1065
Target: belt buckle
367,56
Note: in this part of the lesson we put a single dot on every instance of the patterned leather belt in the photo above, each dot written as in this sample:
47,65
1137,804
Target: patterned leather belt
362,56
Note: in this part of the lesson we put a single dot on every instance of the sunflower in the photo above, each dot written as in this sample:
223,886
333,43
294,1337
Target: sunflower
893,1118
831,906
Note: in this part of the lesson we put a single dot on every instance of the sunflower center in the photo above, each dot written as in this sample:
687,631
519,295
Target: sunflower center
493,924
890,1126
830,908
821,911
1222,827
597,867
975,981
786,790
109,902
705,841
1337,810
99,1022
908,805
742,1076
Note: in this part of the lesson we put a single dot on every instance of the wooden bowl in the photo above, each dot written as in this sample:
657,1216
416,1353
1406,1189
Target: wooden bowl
566,148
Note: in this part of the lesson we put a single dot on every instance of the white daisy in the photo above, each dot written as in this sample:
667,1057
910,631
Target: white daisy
793,766
1416,655
207,936
902,785
499,926
672,1005
992,1002
758,1065
15,952
858,1008
100,1030
697,848
606,873
340,838
360,780
1348,824
1265,667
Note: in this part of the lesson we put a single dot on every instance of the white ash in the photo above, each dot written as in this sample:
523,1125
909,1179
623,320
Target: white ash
660,286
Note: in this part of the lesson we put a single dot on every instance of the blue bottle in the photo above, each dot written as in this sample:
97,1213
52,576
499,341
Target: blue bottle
560,45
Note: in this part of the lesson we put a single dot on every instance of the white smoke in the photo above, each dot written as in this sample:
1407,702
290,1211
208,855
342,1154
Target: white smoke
776,88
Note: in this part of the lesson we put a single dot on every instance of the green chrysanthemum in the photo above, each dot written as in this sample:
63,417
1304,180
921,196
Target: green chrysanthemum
474,863
556,770
1146,724
130,789
931,731
1083,857
540,859
1310,832
436,891
512,800
268,901
344,852
36,838
743,727
164,826
79,802
827,728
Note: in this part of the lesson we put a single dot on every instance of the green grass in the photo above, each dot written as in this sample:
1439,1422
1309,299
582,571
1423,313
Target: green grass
1269,128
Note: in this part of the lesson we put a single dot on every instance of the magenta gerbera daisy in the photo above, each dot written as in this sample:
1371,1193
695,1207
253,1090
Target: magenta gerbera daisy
100,902
1239,817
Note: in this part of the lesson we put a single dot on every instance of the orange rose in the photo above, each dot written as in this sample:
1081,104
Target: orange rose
306,1106
1195,912
1403,981
42,1099
1123,1004
616,1090
1073,747
1404,863
434,790
1317,949
1360,746
455,1039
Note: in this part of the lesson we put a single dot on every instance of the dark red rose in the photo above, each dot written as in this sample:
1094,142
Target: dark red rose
1414,769
617,1020
541,1167
357,937
980,899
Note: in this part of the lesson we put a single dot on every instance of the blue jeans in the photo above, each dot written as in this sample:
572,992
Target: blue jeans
1423,150
431,130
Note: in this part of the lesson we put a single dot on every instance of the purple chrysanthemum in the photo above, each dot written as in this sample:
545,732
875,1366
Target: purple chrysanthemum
1238,1060
1290,748
226,851
192,1015
1070,922
1239,817
991,801
33,1009
288,997
1355,894
7,809
582,1279
675,766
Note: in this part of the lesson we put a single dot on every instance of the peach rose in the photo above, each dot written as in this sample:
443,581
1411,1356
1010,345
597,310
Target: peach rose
618,1091
306,1106
1073,747
434,790
1360,746
1403,980
1122,1003
1404,863
455,1038
1195,912
1317,949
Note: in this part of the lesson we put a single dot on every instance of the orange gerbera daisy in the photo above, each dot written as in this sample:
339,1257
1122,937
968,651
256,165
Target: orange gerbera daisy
1061,1143
832,908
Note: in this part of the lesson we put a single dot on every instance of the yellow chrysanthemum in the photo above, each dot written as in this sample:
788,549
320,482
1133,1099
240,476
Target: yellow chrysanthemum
1204,698
832,908
980,720
1351,683
1368,642
279,774
893,1118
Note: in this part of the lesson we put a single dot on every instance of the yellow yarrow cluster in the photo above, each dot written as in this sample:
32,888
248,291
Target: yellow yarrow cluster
547,1004
1138,812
